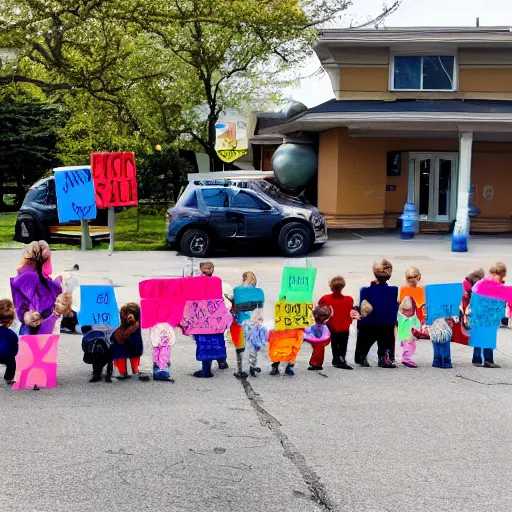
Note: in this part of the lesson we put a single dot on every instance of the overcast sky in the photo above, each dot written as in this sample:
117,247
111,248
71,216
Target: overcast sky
457,13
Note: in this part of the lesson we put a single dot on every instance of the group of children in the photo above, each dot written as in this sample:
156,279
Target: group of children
384,314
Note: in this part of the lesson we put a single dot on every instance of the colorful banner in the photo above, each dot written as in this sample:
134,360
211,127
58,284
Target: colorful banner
98,306
163,300
75,193
115,179
485,312
232,140
443,300
205,317
290,316
297,284
36,362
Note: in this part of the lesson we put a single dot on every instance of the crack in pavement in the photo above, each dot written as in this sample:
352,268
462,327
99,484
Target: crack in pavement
318,492
485,383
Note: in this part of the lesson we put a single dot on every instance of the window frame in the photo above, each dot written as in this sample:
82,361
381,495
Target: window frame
434,53
266,206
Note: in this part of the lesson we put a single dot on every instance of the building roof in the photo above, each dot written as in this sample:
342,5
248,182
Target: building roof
452,114
473,36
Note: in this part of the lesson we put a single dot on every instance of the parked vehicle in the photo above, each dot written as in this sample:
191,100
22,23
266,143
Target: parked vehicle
38,218
218,209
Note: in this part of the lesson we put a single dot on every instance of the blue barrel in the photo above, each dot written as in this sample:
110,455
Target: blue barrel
409,221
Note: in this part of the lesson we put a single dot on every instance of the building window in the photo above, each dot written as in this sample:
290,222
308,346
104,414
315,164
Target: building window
424,73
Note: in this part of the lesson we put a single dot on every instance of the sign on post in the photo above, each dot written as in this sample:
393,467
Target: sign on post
75,193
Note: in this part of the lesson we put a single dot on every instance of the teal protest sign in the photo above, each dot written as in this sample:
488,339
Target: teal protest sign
75,194
98,306
297,284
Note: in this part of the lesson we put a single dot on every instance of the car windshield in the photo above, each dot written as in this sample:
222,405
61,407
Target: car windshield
272,191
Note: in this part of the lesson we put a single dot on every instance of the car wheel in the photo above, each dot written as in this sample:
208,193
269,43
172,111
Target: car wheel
195,243
294,239
27,229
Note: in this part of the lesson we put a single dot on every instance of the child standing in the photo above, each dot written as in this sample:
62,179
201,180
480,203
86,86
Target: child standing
340,321
127,342
319,336
8,340
380,324
407,320
412,278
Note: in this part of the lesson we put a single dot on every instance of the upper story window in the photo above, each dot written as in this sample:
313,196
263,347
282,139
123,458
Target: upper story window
423,73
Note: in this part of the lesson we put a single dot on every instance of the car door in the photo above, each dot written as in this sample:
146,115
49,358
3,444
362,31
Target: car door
257,216
216,201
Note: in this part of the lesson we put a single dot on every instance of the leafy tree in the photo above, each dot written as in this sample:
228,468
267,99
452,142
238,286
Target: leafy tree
28,140
163,68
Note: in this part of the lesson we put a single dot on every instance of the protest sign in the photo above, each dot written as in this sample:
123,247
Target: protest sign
443,300
485,312
297,284
115,180
98,306
205,317
161,302
75,193
36,362
293,315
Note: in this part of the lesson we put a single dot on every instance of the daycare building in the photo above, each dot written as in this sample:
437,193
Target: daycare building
420,115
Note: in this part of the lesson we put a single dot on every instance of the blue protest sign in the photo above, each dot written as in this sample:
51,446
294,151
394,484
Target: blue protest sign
483,337
485,312
443,300
75,193
98,306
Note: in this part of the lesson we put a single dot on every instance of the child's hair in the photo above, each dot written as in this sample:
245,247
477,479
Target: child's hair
412,273
499,269
130,314
7,313
337,283
321,314
475,276
382,269
207,264
249,278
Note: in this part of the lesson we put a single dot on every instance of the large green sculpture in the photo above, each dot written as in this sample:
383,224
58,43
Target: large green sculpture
295,165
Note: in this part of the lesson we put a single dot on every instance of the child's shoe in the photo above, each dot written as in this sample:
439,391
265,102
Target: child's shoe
344,366
95,378
200,375
490,364
289,370
275,369
315,368
410,364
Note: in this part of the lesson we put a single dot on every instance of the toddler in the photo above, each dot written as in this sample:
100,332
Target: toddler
412,279
8,340
407,320
319,336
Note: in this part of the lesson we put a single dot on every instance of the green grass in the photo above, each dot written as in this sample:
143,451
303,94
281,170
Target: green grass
149,235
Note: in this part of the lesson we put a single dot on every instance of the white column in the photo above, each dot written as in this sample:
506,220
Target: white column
334,72
461,230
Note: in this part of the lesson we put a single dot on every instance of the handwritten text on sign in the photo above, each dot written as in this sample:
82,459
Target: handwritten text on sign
98,306
296,315
206,317
443,300
297,284
115,180
485,312
75,194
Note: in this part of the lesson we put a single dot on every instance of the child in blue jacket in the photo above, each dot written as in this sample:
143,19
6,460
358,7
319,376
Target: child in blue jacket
8,340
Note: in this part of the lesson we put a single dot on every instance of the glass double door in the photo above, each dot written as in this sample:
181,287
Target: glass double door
433,185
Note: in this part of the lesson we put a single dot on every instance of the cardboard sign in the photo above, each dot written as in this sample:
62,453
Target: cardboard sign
443,300
210,347
115,180
98,306
36,362
231,140
205,317
290,316
75,194
485,312
297,284
284,345
163,300
483,337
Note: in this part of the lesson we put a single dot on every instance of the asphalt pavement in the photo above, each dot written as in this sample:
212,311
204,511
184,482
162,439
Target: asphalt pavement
369,440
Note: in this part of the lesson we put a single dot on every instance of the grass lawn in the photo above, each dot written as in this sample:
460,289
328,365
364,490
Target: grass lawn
149,236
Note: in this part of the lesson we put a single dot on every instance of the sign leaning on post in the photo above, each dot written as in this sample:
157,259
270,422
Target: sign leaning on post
75,198
115,184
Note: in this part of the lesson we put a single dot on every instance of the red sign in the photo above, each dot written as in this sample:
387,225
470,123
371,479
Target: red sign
115,180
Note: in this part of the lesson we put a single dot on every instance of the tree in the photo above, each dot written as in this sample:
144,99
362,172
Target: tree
165,68
28,140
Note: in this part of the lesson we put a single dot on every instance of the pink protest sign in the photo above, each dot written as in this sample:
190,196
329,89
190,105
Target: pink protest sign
163,300
36,362
206,317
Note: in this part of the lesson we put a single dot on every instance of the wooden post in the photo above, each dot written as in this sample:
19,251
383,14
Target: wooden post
111,227
86,243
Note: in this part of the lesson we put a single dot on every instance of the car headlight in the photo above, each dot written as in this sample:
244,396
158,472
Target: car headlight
318,221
